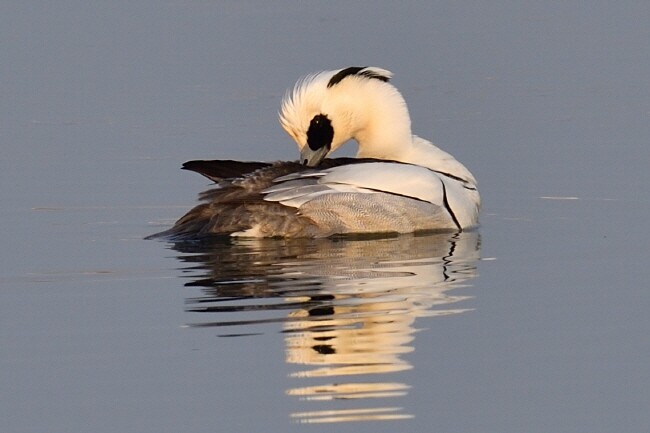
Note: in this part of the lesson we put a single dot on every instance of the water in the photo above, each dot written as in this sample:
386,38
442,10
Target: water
347,309
536,323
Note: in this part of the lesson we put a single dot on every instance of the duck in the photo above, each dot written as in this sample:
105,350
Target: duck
397,183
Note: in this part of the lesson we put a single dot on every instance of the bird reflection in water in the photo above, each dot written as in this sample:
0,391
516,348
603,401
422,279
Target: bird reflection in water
347,308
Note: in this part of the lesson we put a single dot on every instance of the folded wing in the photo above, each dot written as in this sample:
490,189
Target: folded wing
457,197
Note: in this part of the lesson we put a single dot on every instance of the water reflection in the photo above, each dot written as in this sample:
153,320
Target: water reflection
346,307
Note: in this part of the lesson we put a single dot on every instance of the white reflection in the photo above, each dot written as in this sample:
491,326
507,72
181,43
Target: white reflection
348,309
346,415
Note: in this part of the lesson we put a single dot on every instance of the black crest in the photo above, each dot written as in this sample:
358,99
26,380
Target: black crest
356,70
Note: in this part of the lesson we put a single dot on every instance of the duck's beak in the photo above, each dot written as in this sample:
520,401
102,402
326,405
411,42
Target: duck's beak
311,158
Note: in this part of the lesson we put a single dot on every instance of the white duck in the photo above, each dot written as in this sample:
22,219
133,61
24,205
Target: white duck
399,182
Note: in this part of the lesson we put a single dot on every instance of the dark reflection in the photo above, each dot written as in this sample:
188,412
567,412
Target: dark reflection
347,308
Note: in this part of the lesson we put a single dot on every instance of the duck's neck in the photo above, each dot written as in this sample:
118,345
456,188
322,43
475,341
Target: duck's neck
382,125
383,131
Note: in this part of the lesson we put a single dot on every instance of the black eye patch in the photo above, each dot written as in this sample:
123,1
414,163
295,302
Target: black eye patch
320,132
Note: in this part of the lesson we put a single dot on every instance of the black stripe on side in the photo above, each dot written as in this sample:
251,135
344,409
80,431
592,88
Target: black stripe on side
449,175
396,194
335,162
445,202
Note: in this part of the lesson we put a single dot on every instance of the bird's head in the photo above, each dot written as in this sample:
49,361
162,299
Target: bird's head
326,109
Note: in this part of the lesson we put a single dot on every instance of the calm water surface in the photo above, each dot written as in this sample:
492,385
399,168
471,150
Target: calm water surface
538,322
347,309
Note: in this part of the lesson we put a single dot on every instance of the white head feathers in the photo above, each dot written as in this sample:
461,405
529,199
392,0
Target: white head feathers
305,100
326,109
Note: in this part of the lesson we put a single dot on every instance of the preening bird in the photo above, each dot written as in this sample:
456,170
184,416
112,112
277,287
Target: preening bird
398,183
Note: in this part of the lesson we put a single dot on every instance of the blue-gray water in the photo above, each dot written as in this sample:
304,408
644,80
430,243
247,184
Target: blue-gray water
537,323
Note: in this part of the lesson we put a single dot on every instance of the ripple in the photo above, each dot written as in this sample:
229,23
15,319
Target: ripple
347,308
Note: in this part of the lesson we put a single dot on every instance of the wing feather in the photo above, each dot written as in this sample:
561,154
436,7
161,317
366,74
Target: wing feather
405,180
402,179
394,178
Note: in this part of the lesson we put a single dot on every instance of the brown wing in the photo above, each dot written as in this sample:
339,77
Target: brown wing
218,170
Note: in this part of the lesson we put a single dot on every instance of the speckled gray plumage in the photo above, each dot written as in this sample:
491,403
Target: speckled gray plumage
239,204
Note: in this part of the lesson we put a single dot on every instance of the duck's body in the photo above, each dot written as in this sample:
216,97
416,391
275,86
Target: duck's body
399,182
